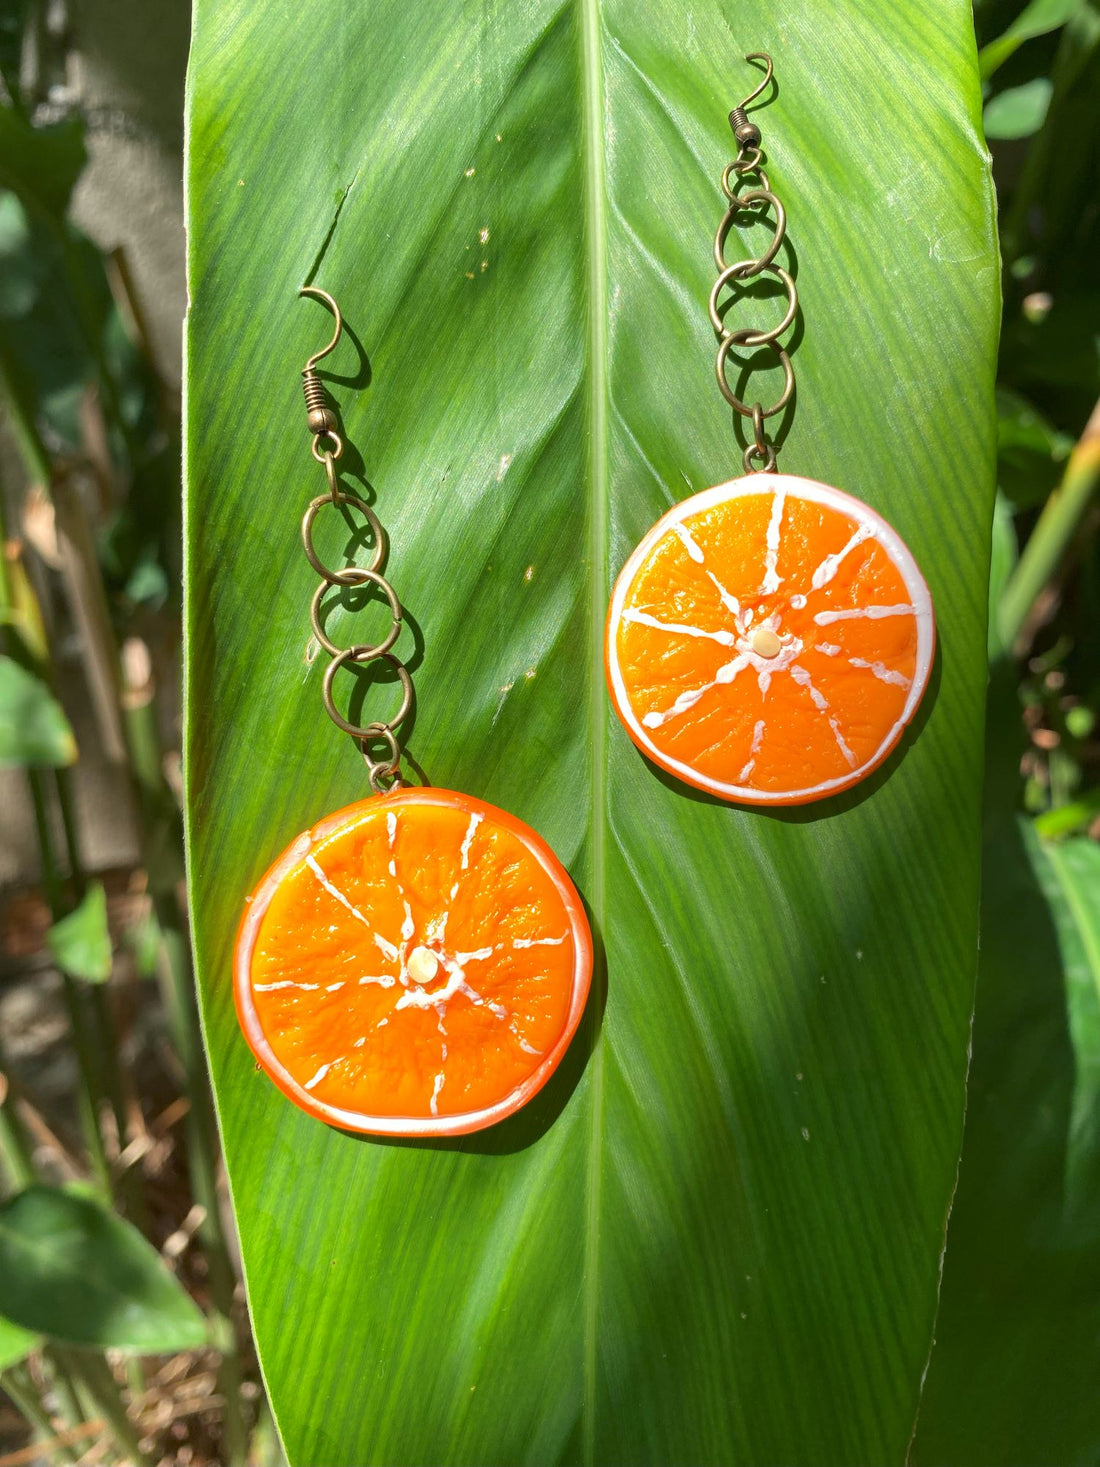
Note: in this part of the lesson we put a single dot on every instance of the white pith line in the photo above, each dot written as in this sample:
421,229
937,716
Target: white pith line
691,545
725,674
727,639
821,703
771,545
467,841
757,740
387,948
731,603
436,1088
527,1048
831,564
323,1071
882,672
285,983
872,613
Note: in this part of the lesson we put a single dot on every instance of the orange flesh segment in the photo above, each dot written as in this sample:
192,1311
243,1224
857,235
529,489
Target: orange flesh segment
473,906
772,645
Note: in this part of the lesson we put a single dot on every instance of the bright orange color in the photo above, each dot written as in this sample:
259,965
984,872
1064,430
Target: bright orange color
416,964
769,640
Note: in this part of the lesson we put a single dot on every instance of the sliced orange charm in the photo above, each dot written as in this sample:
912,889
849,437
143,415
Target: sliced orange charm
769,640
414,965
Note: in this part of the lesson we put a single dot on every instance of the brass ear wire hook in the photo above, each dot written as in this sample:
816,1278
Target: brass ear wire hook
323,295
747,133
322,419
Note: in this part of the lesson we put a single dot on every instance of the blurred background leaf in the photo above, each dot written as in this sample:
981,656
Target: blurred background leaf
34,731
72,1270
80,942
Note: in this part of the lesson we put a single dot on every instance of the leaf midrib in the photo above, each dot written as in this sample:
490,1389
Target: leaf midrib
596,354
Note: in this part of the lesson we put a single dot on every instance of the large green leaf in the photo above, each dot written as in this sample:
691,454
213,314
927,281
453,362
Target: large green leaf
72,1270
716,1237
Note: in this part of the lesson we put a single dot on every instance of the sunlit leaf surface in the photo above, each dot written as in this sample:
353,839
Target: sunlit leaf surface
716,1236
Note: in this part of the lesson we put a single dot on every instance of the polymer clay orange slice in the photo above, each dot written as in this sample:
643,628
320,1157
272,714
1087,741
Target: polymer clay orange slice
769,640
414,965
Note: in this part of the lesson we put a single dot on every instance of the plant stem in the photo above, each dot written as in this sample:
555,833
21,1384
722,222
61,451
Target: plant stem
98,1000
94,1375
177,988
91,1090
24,1396
176,981
69,1403
16,1159
1051,537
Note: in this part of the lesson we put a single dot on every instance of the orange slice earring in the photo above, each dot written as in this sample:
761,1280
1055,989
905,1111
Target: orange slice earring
417,963
769,639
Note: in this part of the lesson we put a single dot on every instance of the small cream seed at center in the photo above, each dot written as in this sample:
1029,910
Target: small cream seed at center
765,643
423,965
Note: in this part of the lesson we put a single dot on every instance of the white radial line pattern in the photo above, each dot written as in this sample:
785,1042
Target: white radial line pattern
754,749
689,543
384,980
828,568
408,927
437,927
323,1071
771,545
821,703
464,854
385,947
871,613
285,983
830,649
643,618
437,1086
420,998
527,1048
725,674
729,601
516,943
882,672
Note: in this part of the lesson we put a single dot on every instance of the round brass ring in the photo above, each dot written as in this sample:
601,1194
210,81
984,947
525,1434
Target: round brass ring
378,769
344,577
742,201
737,338
732,168
319,453
748,270
365,731
356,577
767,454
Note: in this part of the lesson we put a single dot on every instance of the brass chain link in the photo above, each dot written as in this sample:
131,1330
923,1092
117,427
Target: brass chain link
378,738
749,161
